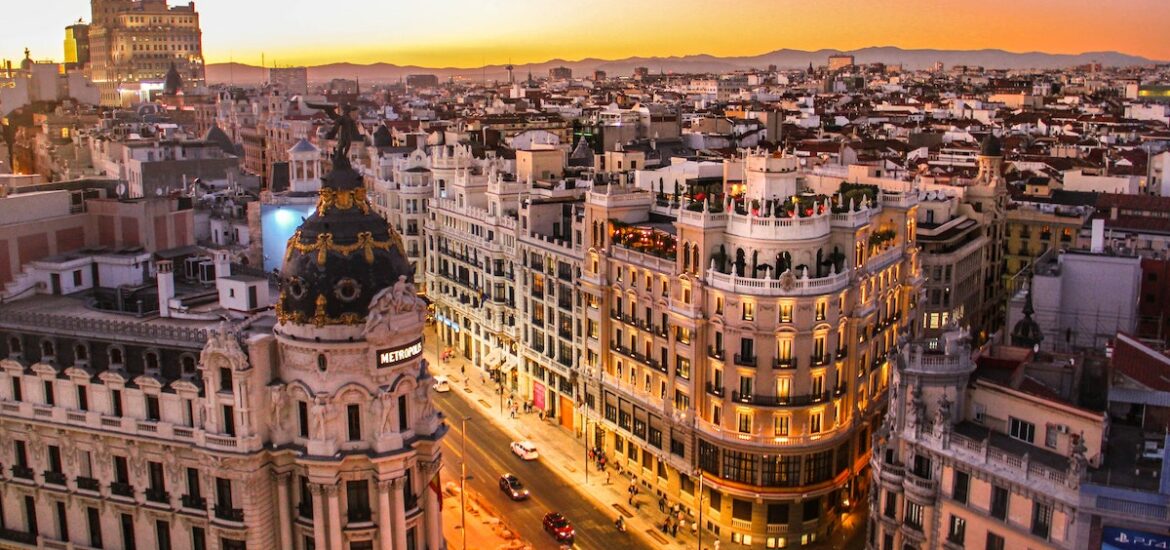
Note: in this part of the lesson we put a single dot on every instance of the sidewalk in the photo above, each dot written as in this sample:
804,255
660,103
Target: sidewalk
565,455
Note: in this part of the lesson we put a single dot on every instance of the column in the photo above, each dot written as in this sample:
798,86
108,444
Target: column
434,512
283,502
385,532
398,501
334,517
320,539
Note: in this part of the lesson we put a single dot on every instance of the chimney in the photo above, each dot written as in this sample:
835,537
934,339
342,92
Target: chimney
166,286
1097,245
223,264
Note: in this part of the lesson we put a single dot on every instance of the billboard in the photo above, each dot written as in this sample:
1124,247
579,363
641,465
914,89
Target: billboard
1117,538
277,225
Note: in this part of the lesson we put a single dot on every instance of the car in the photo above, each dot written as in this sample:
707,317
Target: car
559,527
525,450
512,487
441,384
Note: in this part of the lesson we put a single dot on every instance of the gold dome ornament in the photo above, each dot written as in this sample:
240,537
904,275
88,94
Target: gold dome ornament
342,199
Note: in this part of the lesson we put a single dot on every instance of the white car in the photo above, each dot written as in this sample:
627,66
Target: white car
525,450
441,385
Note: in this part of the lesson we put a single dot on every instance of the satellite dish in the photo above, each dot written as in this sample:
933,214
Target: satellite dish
120,189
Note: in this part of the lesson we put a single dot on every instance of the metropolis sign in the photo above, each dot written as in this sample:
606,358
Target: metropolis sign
394,356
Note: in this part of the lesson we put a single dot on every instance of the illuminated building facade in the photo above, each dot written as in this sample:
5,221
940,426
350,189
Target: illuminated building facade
134,43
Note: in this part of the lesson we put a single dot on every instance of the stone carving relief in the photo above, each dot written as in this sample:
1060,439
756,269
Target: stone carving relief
399,299
277,398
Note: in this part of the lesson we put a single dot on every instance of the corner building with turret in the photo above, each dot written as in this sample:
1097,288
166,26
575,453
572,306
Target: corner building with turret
737,341
222,425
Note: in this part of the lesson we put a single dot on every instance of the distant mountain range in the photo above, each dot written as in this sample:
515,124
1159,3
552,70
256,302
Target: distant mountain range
238,73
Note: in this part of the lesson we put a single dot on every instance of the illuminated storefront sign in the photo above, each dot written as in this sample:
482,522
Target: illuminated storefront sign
394,356
1116,538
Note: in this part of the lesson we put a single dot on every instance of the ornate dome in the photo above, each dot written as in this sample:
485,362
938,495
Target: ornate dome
340,257
173,82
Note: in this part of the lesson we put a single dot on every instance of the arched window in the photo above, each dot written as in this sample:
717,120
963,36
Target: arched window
115,356
322,362
47,350
80,352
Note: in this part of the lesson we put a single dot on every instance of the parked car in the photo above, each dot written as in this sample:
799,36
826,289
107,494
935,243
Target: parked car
441,384
512,487
525,450
559,527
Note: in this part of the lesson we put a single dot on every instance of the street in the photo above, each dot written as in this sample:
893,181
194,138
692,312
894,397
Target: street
489,456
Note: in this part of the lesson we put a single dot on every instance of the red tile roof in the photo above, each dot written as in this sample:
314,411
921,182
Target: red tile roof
1141,363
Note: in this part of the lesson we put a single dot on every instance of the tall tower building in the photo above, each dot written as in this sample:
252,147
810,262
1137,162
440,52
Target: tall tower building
133,44
987,199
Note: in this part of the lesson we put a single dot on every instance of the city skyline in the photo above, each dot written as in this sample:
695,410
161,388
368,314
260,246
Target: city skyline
465,34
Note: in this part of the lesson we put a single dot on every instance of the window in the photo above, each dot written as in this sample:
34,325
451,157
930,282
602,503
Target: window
781,424
785,313
17,393
128,540
749,311
818,467
152,411
353,414
116,399
229,420
303,418
743,420
1041,520
913,516
1019,429
357,500
960,486
677,447
402,423
814,422
162,531
198,539
891,509
94,524
50,395
1050,434
63,521
957,530
225,379
82,398
812,509
999,502
994,541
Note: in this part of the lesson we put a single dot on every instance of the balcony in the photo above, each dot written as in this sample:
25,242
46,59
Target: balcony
919,485
745,360
158,495
784,363
54,478
820,360
18,536
780,401
23,472
88,484
122,489
194,502
229,514
842,353
717,391
714,353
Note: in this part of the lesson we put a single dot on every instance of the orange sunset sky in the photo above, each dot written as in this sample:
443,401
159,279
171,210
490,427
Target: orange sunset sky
469,33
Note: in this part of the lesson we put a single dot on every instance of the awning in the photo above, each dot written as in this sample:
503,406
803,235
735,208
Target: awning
493,359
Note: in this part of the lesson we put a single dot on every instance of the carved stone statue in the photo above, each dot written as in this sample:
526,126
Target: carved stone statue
387,424
276,402
942,416
917,411
320,416
345,129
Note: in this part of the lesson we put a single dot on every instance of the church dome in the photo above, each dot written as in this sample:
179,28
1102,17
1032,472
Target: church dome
340,257
173,82
382,137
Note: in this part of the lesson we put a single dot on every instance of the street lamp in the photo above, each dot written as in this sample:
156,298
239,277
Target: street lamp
463,483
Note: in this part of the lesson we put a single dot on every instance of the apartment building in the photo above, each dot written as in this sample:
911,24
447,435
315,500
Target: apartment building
736,345
400,185
981,457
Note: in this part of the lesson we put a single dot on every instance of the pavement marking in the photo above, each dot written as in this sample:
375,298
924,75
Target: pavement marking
654,534
570,468
622,510
485,403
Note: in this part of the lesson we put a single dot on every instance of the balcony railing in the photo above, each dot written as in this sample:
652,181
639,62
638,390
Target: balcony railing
18,536
23,472
158,495
780,401
716,353
54,478
229,514
122,489
745,361
717,391
820,360
194,502
784,363
88,484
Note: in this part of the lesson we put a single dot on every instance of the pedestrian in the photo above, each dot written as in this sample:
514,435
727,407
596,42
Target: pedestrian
607,477
662,504
630,500
463,370
674,529
716,544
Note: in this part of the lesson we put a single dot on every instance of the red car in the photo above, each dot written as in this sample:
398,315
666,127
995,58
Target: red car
559,527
